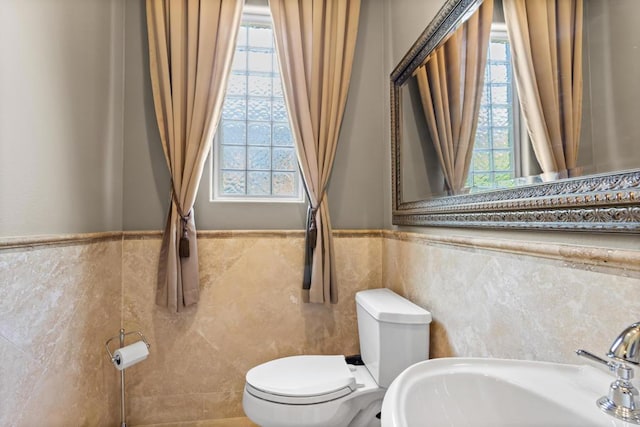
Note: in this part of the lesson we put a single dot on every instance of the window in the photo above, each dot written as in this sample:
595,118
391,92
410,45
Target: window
254,156
493,164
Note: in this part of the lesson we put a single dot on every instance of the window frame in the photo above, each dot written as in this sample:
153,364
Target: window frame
258,16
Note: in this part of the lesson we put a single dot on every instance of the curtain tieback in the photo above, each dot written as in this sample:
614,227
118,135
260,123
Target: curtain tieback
183,246
311,237
312,226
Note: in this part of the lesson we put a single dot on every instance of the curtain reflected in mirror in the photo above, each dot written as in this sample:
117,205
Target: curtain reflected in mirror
535,117
546,41
450,84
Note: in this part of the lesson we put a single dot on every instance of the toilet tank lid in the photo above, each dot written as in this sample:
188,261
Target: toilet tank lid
386,306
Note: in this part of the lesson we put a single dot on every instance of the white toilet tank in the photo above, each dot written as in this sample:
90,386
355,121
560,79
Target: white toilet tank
394,333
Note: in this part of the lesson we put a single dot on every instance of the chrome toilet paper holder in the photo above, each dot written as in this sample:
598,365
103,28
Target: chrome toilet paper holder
113,359
121,337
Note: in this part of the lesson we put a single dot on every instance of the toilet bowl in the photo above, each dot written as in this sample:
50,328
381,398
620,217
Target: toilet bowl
326,391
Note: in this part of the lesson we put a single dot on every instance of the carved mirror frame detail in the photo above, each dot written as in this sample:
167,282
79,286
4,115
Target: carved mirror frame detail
604,202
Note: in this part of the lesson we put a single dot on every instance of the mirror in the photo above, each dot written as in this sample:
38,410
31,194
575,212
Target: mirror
594,185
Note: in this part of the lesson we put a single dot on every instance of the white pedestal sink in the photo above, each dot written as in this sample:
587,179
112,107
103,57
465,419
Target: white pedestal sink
465,392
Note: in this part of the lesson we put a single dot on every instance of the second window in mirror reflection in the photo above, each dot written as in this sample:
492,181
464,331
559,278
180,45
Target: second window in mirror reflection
493,163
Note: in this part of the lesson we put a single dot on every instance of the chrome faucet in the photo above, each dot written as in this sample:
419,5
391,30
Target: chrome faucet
622,401
626,347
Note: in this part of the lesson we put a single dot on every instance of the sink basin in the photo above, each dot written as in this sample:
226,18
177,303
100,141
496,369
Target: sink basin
456,392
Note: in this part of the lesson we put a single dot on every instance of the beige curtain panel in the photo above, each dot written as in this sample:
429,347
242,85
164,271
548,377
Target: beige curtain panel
450,83
546,45
191,45
315,40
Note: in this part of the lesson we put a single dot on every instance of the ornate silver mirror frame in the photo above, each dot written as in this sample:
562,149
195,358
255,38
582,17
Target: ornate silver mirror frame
605,202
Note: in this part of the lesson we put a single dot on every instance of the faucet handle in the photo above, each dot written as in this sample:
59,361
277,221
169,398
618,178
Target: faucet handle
622,371
626,347
613,366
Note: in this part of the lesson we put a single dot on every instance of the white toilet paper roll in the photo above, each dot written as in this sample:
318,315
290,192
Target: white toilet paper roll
130,355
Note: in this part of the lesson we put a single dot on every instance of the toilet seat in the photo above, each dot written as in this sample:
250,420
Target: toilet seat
297,400
301,380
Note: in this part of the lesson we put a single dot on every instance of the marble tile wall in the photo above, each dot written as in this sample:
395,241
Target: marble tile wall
250,311
495,304
60,302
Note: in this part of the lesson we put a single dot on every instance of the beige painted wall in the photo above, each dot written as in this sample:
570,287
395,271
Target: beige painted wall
68,72
611,110
61,80
354,190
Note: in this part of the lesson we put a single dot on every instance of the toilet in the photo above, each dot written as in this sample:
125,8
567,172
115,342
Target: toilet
326,391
